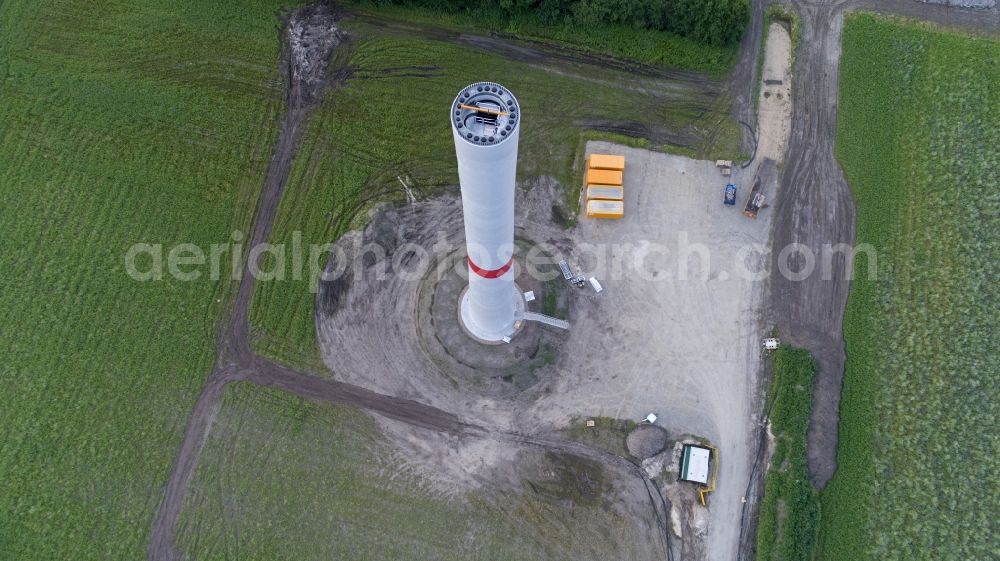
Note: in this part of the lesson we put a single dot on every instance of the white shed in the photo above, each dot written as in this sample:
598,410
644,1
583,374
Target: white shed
694,464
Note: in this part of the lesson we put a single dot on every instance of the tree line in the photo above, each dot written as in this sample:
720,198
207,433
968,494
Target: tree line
711,22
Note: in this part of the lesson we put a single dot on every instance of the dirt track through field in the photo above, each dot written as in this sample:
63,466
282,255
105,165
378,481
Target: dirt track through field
305,71
815,207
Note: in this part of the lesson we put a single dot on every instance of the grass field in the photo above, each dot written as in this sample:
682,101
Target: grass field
789,513
281,478
130,122
919,474
366,134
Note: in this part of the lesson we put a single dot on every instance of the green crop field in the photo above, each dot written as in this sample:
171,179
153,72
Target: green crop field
789,512
385,122
129,122
281,478
918,137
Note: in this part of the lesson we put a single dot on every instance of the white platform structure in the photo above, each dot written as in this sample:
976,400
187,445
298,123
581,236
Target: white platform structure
485,121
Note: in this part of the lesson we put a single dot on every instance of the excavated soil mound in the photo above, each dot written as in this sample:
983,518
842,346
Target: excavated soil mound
646,441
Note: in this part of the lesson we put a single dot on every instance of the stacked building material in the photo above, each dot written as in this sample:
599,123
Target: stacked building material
603,186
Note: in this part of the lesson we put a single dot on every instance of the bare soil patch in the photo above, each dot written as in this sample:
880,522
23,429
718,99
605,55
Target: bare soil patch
685,348
774,107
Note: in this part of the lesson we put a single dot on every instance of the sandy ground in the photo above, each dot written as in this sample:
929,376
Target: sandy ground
687,350
774,113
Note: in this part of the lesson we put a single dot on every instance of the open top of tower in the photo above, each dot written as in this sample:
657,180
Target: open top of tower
485,113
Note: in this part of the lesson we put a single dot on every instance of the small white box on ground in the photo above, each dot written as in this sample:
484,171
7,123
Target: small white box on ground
591,423
651,418
529,296
771,343
506,339
597,286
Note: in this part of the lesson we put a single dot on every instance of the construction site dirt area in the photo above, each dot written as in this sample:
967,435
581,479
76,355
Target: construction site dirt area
676,329
670,323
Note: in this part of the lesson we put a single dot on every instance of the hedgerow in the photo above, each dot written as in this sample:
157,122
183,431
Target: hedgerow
790,509
711,22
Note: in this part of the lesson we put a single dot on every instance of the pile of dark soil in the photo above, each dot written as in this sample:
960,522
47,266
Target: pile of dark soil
646,441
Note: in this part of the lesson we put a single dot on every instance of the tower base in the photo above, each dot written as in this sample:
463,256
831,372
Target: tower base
485,336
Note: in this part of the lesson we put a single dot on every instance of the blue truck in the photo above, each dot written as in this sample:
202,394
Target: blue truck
730,198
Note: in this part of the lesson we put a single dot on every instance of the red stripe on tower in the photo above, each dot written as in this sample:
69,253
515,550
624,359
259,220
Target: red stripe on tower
490,273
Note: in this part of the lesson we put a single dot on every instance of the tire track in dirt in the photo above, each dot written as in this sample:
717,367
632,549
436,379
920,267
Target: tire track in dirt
815,208
659,504
269,374
161,538
740,82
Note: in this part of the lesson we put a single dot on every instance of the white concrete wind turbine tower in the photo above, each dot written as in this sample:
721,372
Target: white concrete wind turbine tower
485,121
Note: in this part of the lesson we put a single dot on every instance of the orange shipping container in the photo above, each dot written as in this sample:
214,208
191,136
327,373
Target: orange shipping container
605,192
603,177
607,161
605,209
